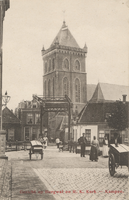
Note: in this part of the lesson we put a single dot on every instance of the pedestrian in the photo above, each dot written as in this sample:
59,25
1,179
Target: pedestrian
82,141
61,146
105,147
94,149
57,142
45,142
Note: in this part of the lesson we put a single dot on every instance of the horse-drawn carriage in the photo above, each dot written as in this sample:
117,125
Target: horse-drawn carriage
36,148
118,156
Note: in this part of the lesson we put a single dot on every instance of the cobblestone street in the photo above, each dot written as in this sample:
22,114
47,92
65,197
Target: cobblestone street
64,176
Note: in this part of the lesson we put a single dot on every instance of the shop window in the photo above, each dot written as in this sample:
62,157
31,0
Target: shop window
101,136
26,133
30,118
88,135
34,135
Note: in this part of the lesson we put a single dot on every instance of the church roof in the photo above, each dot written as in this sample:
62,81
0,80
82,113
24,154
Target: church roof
109,92
98,95
65,38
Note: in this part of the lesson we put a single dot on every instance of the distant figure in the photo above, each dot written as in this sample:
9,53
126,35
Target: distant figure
119,140
57,142
82,141
94,149
105,147
61,146
45,142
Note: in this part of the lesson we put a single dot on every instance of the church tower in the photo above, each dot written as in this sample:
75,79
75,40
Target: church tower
64,69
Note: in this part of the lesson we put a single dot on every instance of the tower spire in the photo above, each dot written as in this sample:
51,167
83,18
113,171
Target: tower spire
63,15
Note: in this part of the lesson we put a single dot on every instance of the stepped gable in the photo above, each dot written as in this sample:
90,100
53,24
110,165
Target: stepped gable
65,38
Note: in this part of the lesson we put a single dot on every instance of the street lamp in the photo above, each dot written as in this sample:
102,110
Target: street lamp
5,99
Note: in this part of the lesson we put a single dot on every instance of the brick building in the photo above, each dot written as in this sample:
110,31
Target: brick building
11,124
29,114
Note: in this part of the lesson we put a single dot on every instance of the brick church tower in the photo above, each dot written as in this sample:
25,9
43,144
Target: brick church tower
64,69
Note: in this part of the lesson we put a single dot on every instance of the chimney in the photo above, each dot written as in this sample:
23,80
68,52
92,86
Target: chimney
124,98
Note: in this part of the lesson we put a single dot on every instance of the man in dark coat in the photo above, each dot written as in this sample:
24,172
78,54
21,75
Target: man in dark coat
82,141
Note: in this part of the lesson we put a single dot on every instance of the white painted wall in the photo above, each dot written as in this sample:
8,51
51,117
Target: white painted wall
81,130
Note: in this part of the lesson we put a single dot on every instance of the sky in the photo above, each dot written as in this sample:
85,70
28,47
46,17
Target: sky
31,24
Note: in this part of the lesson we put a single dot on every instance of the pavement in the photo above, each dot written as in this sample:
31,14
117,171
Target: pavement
60,176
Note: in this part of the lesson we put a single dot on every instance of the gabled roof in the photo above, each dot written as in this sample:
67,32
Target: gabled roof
109,92
96,112
9,117
65,38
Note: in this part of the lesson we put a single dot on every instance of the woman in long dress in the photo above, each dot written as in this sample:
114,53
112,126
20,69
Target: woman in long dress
105,147
94,149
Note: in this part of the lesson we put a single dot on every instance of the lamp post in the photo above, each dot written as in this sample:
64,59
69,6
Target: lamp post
6,99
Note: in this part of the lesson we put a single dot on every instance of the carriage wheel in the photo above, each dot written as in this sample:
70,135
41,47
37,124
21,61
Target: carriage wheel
30,154
111,164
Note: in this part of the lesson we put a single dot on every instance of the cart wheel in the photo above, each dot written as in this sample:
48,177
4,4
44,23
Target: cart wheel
30,154
111,164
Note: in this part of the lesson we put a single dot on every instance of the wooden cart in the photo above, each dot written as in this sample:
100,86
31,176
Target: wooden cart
118,156
36,148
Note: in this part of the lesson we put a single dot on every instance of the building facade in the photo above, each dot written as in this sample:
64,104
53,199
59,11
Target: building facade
29,114
65,71
65,68
11,124
92,120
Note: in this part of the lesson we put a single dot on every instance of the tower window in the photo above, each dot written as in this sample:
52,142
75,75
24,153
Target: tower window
66,64
53,63
45,88
65,86
49,69
77,65
53,88
49,88
77,90
45,67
